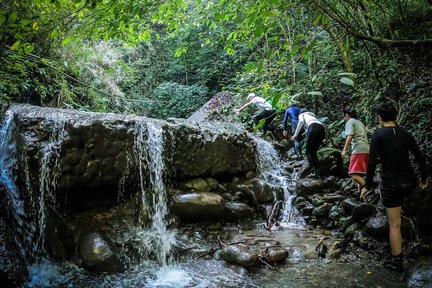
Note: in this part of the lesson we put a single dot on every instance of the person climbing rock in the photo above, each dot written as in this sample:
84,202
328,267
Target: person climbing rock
356,137
315,134
292,113
267,112
391,146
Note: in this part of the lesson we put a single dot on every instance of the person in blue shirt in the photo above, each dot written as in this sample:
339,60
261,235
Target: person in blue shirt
292,113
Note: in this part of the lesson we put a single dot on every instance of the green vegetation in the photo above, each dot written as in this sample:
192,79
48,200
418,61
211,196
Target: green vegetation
166,58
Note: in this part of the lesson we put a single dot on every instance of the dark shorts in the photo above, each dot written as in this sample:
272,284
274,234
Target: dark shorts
393,194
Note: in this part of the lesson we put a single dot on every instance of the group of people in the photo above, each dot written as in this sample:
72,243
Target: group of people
390,146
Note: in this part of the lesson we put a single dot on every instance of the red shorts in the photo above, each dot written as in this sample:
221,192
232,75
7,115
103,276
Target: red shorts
358,163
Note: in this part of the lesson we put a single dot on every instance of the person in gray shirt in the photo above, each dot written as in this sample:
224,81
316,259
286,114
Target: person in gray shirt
356,137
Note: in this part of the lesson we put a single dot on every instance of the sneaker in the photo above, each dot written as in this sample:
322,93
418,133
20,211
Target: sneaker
394,263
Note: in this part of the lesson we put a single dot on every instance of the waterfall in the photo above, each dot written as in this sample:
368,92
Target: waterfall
149,147
7,165
29,215
271,169
48,177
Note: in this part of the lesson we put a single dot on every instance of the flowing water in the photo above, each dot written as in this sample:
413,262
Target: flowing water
271,169
301,269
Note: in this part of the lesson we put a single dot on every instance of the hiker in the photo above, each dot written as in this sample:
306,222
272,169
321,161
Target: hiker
292,113
267,111
356,137
390,145
315,134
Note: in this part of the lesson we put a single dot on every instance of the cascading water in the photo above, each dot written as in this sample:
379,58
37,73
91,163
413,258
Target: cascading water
7,164
49,175
30,218
149,151
271,170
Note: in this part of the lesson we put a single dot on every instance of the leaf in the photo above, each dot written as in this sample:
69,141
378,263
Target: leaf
15,45
347,81
259,125
347,74
12,18
2,19
28,48
65,41
314,93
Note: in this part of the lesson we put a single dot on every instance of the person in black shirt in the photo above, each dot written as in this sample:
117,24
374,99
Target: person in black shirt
390,146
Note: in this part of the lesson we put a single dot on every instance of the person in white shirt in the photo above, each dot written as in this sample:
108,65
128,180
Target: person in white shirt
315,134
267,111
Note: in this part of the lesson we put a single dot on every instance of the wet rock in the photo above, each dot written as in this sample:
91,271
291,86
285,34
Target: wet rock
421,276
336,212
345,222
331,182
321,211
333,198
263,191
275,254
308,208
363,211
13,268
349,204
349,232
97,254
308,187
98,152
299,200
378,227
330,162
212,183
239,255
203,206
250,175
234,211
196,184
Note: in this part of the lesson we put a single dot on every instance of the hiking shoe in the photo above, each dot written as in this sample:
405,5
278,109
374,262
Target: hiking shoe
394,263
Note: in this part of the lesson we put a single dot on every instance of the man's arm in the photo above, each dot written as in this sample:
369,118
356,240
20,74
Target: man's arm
347,145
244,106
299,127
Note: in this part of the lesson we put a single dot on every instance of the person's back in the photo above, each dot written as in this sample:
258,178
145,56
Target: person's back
394,145
359,141
293,113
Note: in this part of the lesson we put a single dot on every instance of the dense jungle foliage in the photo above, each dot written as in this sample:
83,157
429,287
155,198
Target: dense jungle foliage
166,58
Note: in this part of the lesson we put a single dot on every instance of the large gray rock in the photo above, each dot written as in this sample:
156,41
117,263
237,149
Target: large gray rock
91,155
239,255
308,187
275,254
235,211
194,206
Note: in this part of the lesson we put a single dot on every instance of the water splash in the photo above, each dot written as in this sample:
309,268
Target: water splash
149,143
271,169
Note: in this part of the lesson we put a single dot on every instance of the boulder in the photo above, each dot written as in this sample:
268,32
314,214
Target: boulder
363,211
378,227
97,254
262,190
349,232
194,206
239,255
322,212
212,183
195,184
275,254
234,211
307,187
349,204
